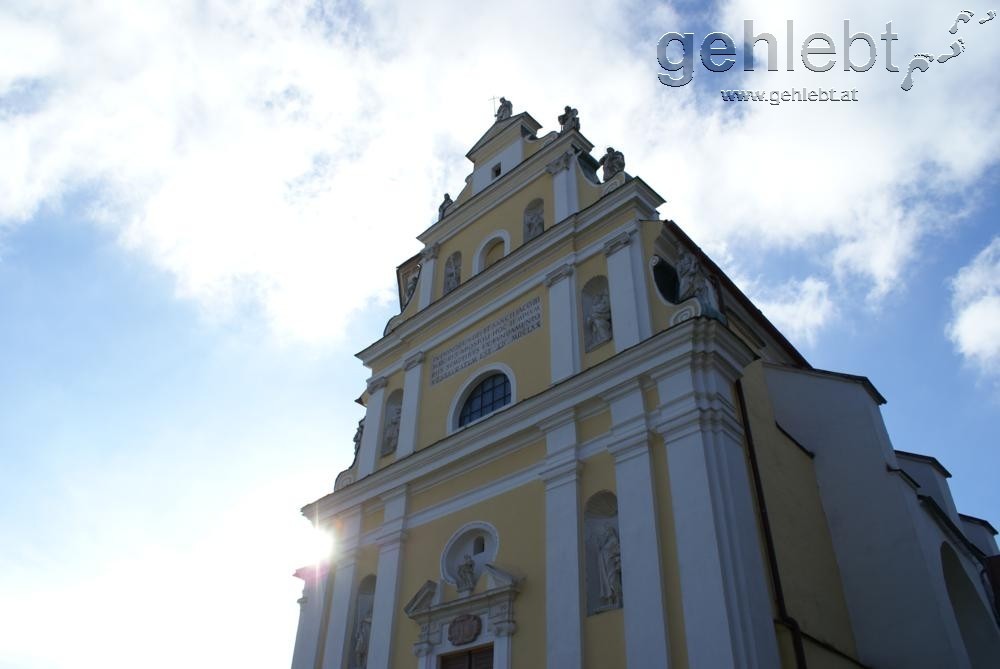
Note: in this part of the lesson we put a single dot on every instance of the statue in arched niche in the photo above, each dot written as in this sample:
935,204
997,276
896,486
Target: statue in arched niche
596,313
610,563
534,220
465,579
393,415
361,638
452,272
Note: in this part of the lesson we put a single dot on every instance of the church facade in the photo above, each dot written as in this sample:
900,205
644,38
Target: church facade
584,447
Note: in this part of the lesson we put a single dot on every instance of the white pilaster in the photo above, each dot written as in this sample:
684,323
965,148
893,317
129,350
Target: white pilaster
728,616
621,283
310,616
390,542
338,618
640,288
646,642
368,455
566,199
563,594
564,333
413,367
501,649
428,261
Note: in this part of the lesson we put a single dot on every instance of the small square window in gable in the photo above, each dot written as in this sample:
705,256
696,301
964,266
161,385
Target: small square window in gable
495,171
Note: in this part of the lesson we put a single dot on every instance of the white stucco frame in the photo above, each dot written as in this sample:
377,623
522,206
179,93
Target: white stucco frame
478,260
463,393
473,526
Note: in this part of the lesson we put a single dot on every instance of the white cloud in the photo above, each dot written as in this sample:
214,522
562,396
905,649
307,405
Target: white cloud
799,308
975,325
285,155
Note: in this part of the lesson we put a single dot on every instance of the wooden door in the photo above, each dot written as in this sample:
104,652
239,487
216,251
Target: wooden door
480,658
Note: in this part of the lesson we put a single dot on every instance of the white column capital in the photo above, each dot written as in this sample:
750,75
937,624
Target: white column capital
390,539
376,384
558,274
557,420
560,164
560,473
413,360
625,402
618,242
430,252
629,446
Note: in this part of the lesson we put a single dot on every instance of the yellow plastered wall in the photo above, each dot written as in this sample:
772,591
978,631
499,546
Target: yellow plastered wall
810,577
488,152
527,357
477,478
533,146
600,230
603,633
507,215
650,397
593,426
595,265
660,310
372,518
588,191
519,518
668,554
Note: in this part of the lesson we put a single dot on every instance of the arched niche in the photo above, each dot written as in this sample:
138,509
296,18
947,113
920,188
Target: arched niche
467,552
452,272
364,603
492,249
390,427
596,301
534,219
603,553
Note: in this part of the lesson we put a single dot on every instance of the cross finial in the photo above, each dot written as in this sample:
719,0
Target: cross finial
494,99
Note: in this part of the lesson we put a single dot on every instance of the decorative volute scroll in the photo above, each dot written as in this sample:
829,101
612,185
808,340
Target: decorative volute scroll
693,281
596,299
346,477
408,284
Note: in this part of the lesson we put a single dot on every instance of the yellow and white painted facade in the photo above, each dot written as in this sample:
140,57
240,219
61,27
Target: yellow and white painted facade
670,484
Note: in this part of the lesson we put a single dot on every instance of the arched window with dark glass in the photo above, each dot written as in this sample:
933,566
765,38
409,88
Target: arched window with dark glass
489,395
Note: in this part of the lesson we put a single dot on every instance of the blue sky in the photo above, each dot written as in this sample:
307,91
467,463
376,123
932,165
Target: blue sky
197,234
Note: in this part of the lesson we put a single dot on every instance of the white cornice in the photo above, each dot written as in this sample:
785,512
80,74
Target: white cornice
635,192
665,349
